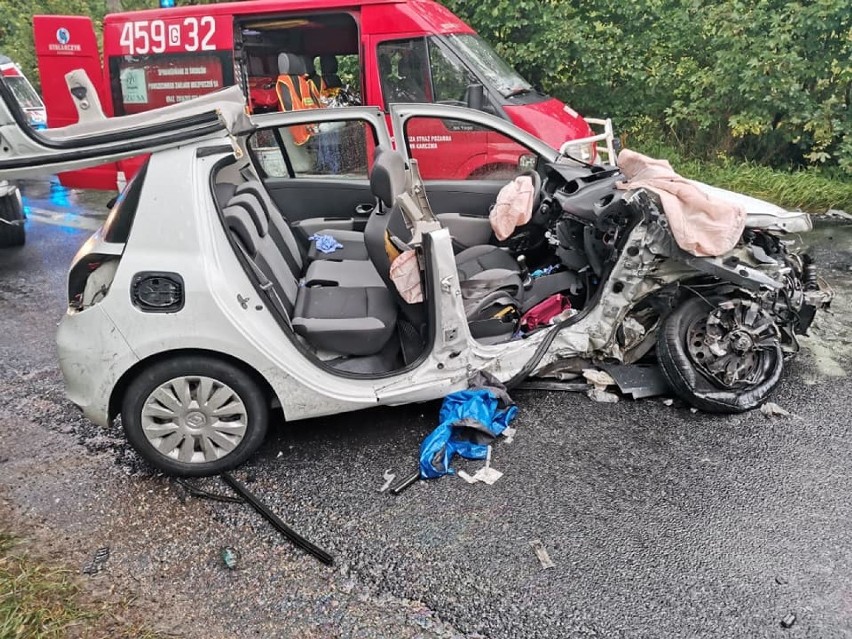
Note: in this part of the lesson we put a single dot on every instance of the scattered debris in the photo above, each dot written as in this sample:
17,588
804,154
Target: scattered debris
601,380
280,454
668,402
693,411
602,396
276,521
598,378
466,477
230,557
780,580
638,380
509,435
487,475
836,213
389,477
789,620
771,409
467,422
405,483
568,387
98,561
541,552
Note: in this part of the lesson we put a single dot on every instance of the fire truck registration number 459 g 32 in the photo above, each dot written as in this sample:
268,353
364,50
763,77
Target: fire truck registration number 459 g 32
155,36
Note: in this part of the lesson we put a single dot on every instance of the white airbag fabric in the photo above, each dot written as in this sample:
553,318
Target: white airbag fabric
513,208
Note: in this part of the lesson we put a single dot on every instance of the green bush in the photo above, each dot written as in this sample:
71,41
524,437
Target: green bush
765,80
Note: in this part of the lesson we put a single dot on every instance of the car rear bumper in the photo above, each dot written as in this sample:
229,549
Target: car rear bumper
93,355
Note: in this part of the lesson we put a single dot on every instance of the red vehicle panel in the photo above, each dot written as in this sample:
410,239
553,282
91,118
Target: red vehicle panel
393,51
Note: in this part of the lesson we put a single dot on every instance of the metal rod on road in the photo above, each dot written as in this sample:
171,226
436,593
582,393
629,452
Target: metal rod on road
276,521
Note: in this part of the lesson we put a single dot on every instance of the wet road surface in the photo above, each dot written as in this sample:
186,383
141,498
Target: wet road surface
660,522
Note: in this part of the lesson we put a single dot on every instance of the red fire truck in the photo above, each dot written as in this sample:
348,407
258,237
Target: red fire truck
389,50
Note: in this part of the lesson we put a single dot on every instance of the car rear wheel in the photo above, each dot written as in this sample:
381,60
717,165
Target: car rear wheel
12,232
194,416
721,356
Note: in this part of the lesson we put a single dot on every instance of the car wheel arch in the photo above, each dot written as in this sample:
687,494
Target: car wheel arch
118,390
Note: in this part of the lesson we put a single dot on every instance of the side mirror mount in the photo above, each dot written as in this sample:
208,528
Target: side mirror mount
475,96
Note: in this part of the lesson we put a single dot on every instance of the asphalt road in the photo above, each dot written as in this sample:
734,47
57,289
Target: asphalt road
660,522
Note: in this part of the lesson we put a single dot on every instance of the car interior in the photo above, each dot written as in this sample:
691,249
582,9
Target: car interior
344,306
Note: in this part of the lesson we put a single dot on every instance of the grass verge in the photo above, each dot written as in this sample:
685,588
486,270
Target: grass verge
40,600
808,190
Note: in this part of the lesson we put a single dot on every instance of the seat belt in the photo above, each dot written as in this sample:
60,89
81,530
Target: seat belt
267,286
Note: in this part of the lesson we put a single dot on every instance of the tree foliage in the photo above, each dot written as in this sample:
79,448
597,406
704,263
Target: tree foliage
768,80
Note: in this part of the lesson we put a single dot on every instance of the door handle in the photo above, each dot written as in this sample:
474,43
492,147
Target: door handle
364,210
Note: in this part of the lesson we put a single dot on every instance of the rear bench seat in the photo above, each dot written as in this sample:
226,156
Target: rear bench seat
352,241
351,320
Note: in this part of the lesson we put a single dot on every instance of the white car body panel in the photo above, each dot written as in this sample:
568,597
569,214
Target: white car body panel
762,214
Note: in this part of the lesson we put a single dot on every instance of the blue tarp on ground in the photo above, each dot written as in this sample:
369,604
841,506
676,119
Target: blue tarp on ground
477,409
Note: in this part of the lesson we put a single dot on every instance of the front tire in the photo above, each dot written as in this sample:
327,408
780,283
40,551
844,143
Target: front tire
194,416
721,356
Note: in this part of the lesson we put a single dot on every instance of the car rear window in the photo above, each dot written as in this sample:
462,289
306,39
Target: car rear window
120,220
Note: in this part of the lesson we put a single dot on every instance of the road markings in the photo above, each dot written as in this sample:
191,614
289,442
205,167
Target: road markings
70,220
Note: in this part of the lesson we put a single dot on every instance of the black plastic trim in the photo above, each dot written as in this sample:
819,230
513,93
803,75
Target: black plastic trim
147,308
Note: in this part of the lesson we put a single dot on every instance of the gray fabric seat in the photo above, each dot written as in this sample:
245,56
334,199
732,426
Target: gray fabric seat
354,321
387,181
334,269
351,321
348,274
484,268
484,257
353,247
352,241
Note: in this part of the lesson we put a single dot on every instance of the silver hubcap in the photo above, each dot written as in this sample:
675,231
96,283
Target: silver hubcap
194,419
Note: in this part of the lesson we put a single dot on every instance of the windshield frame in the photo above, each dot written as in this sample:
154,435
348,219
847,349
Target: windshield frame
484,62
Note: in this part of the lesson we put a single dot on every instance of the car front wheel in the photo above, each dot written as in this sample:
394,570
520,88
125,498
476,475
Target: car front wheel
721,356
194,416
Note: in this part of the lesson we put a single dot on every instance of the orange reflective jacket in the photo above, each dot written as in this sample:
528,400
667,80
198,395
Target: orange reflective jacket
298,93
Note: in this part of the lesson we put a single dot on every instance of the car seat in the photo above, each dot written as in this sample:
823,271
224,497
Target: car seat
329,81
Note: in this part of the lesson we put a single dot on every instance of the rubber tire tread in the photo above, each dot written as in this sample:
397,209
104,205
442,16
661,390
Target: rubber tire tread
239,380
686,380
10,210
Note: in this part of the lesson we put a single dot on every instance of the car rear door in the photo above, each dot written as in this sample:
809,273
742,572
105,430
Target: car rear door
324,183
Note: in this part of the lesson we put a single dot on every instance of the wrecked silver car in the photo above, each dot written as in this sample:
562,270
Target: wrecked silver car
240,271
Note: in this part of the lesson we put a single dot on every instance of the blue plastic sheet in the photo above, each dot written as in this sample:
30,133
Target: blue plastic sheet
478,409
325,243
